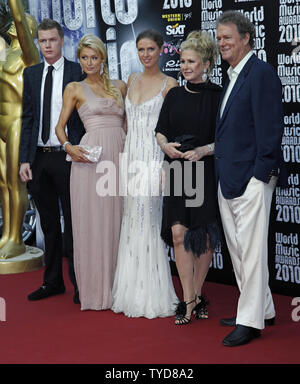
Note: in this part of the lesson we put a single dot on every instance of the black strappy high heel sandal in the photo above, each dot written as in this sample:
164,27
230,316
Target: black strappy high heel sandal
200,310
180,312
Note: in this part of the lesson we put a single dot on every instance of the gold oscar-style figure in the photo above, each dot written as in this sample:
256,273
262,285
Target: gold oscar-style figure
21,53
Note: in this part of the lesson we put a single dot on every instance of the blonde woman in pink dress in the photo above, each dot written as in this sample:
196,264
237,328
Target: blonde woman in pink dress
96,219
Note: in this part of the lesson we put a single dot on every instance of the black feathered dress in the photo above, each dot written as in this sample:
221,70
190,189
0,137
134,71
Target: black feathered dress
186,113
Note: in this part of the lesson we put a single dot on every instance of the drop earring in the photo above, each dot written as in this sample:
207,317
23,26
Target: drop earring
101,68
204,76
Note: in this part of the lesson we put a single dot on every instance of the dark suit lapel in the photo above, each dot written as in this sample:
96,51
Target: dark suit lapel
238,84
39,77
221,100
67,74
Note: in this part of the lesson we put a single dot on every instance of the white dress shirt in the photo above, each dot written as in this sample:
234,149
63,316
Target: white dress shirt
233,75
56,101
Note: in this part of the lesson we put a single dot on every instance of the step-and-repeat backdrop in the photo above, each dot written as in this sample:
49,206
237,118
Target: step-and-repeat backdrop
277,25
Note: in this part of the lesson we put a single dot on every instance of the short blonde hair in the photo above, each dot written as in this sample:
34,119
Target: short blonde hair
95,43
203,44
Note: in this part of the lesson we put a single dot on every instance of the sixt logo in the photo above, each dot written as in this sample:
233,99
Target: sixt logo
175,30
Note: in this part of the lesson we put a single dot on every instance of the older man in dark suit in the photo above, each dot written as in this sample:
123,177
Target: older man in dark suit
248,159
42,158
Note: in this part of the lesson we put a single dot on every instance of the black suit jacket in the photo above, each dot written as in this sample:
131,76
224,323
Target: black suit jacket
32,78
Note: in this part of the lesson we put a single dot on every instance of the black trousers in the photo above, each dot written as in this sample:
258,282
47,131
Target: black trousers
50,189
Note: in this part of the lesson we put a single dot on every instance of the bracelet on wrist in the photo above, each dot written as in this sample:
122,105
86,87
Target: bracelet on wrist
210,148
64,145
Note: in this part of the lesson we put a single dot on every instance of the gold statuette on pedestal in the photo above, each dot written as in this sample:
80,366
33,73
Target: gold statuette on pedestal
21,52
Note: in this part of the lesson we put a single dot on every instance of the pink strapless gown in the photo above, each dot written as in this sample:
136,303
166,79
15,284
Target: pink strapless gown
96,219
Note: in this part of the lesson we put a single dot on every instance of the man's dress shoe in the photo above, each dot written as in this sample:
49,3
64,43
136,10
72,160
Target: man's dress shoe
231,322
46,290
241,335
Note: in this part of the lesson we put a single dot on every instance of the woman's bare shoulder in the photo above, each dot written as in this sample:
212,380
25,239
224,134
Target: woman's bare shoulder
74,86
122,86
171,83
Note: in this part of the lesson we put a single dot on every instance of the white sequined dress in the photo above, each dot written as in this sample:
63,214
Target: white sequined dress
143,284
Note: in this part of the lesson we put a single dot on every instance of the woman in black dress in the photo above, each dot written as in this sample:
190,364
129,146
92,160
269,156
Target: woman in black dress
185,131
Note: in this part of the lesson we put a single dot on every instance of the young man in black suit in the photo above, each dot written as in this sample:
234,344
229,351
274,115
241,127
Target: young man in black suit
42,158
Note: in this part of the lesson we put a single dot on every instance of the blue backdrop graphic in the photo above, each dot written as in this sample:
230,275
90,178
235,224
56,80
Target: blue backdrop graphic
77,18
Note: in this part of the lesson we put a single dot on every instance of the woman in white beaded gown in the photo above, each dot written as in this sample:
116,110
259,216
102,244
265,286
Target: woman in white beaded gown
143,284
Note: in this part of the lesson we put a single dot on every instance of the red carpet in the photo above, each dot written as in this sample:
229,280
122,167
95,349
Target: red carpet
54,330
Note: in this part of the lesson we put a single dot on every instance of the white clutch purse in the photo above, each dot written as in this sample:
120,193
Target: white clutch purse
94,153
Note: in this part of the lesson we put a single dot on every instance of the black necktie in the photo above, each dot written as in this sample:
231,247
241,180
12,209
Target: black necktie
47,105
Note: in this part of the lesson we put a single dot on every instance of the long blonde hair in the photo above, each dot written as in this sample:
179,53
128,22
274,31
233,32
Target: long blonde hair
93,42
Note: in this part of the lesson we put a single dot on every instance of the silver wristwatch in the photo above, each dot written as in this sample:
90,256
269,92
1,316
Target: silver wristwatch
210,148
64,145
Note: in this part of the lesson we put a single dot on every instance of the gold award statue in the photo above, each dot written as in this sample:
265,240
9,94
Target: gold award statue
21,53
